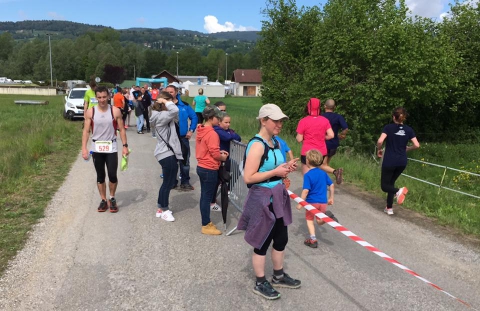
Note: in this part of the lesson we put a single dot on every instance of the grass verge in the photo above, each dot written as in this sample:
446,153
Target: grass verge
38,148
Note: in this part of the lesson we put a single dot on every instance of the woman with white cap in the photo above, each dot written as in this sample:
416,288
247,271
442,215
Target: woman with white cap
267,210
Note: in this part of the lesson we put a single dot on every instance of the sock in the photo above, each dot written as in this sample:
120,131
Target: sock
261,279
112,197
278,274
313,237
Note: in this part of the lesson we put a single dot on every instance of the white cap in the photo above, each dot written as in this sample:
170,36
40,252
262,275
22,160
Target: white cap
271,111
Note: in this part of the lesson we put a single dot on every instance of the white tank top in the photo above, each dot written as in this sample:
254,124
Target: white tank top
103,127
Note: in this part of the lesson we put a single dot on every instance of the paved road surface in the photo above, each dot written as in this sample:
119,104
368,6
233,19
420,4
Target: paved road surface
79,259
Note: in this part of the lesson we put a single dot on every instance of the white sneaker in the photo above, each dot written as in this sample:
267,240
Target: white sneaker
158,214
389,211
215,208
167,216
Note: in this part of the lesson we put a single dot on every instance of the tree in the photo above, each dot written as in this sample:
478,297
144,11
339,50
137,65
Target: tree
6,45
113,74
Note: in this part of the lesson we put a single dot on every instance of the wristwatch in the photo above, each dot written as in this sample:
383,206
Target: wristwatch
125,145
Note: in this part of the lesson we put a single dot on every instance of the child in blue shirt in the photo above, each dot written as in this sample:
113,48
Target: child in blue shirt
316,185
285,149
226,135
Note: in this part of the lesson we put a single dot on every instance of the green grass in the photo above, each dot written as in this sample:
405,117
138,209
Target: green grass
38,147
447,207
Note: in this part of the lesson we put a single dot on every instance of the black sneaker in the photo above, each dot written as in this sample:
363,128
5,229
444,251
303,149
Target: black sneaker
330,214
266,290
103,206
176,187
113,205
286,281
186,187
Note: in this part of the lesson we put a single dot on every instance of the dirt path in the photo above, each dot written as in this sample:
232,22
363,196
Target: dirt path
78,259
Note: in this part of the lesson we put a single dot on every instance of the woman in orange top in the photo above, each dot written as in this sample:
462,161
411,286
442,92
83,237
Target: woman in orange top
209,157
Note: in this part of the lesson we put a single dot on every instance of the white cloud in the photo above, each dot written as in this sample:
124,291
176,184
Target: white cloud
211,25
55,16
22,15
430,9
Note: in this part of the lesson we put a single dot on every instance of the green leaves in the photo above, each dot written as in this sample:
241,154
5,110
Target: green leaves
369,56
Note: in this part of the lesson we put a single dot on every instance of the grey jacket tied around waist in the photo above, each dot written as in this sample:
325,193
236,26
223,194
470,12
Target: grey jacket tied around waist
257,220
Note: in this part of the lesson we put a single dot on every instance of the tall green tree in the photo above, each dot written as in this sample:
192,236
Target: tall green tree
461,29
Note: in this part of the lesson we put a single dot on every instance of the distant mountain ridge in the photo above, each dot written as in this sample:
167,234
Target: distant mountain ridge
34,28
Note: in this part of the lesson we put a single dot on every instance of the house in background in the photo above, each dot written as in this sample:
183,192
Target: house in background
165,74
248,82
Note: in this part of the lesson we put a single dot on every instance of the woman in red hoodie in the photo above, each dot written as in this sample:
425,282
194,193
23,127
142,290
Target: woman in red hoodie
312,131
209,158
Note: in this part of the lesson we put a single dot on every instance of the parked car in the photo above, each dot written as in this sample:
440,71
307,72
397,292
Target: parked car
74,103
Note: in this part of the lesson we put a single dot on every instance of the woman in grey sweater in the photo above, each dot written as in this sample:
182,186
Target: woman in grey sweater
167,151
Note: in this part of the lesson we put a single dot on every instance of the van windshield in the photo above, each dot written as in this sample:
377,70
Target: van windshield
75,94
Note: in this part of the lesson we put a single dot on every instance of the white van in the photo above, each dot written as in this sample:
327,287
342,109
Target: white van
74,103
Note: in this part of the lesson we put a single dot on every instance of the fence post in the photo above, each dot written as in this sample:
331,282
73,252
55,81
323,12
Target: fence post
441,182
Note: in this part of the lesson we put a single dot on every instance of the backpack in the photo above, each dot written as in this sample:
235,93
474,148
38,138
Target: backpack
266,149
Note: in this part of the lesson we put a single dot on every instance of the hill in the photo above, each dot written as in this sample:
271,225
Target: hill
161,38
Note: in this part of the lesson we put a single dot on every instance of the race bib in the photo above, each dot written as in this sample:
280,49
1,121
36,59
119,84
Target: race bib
103,146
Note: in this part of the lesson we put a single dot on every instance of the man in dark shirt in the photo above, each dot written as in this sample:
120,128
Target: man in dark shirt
146,102
337,122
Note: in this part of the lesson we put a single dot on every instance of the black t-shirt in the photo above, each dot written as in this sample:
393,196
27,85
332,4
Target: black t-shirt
397,139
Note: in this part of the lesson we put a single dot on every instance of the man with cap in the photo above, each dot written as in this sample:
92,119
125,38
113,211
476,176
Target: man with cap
185,131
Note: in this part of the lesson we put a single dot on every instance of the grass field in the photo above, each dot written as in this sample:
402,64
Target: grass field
449,208
39,146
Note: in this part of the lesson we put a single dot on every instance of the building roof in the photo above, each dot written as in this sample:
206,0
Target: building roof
247,76
165,74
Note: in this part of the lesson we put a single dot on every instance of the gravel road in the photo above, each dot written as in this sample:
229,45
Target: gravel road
79,259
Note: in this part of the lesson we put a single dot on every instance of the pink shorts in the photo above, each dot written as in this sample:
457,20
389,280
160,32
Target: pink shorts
320,207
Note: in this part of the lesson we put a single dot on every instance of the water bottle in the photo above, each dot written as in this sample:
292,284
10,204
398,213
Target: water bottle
89,156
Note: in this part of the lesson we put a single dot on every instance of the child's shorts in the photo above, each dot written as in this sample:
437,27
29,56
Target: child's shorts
321,207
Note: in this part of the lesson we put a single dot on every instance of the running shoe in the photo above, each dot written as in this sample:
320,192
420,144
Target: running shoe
338,175
389,211
113,205
311,243
401,195
167,216
286,281
266,290
103,206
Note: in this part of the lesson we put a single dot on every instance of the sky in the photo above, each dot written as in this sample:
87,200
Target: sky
203,16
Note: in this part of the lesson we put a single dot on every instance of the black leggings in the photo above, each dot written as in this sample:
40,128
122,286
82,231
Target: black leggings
389,176
111,160
199,117
279,235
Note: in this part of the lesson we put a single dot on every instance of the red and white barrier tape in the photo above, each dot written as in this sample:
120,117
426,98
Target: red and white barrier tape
365,244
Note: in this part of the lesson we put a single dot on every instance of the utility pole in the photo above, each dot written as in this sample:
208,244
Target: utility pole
226,65
50,49
177,65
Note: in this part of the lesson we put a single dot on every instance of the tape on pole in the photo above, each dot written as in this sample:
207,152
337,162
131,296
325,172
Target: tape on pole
367,245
